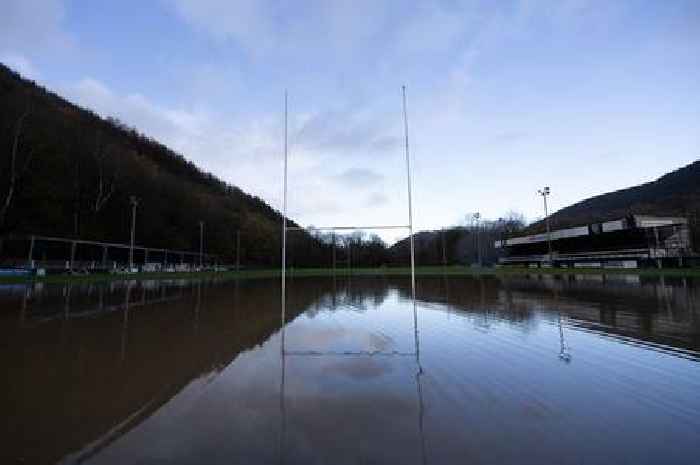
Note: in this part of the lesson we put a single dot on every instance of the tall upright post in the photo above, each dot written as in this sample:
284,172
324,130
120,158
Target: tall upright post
544,193
408,184
201,243
284,215
410,228
134,203
284,290
477,217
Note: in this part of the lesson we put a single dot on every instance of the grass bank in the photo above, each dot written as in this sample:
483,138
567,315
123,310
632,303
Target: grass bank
405,271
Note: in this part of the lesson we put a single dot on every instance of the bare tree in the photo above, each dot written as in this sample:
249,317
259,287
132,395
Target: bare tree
17,168
106,183
513,221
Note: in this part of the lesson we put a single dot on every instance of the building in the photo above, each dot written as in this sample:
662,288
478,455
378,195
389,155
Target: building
631,242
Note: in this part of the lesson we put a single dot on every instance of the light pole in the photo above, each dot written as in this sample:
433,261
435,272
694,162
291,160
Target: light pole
502,232
544,192
476,216
444,256
201,243
238,250
134,203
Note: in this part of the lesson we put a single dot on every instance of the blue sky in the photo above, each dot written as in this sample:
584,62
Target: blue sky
504,96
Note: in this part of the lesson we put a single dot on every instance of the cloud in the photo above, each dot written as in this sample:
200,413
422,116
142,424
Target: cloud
508,137
265,26
358,177
246,152
374,39
376,199
31,25
171,125
28,28
20,63
246,155
241,20
347,132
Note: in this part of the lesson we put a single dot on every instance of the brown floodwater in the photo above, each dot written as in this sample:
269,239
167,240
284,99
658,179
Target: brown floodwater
515,370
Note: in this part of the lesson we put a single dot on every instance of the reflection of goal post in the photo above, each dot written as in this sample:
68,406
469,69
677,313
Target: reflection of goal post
409,227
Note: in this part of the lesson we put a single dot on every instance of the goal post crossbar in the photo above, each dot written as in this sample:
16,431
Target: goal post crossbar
344,228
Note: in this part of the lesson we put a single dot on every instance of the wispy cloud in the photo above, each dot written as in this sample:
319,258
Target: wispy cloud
358,177
31,25
19,63
347,132
376,199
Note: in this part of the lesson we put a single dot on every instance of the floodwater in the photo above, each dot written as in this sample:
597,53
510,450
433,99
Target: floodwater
518,370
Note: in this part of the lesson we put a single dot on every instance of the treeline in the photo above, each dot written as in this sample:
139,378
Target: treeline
65,171
470,244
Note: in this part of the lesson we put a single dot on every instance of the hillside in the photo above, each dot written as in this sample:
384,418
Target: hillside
674,194
65,171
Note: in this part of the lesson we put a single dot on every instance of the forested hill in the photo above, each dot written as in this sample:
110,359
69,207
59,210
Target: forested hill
68,172
674,194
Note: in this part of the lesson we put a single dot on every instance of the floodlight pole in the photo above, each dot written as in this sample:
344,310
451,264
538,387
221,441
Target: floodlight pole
201,244
477,216
134,203
544,192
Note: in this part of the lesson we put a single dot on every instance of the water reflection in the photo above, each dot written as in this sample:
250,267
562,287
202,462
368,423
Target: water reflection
192,372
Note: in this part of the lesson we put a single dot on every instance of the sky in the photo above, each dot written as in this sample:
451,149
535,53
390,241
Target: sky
503,97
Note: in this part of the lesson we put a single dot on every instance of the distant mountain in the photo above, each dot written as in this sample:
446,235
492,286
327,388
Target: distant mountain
65,171
674,194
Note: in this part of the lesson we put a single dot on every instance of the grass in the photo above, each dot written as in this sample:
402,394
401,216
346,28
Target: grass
384,271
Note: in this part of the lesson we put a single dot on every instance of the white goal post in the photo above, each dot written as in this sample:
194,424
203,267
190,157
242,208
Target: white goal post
408,226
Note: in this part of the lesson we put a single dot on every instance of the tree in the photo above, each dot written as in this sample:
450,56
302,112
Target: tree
21,154
106,177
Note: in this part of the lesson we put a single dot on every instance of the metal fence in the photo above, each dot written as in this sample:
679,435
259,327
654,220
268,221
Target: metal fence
59,253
